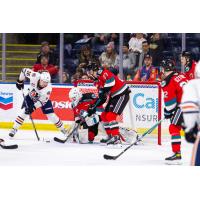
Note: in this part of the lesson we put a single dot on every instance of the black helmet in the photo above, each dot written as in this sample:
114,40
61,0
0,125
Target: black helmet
168,64
93,66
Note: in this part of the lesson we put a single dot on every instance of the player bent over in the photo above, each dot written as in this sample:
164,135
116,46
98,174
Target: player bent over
38,97
172,84
118,93
190,106
80,104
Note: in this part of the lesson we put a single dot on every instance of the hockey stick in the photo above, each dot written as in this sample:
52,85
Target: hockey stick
14,146
31,117
70,134
108,157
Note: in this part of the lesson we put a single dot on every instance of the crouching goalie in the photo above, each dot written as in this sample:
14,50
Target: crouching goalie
81,104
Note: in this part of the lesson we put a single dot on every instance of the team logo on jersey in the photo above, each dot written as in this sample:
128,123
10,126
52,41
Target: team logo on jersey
163,83
33,84
6,100
34,94
187,69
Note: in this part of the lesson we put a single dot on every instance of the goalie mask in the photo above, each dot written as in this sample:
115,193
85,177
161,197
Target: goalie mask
75,96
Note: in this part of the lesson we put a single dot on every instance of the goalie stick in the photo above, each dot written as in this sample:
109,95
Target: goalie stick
138,139
14,146
70,134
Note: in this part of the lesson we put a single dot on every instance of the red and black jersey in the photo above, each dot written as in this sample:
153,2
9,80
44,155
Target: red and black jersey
189,71
108,80
172,88
87,100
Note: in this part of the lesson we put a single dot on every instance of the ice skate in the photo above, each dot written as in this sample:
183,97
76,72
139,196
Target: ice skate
12,132
114,140
106,139
175,159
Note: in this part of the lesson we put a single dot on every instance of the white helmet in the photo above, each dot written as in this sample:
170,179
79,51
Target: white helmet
45,76
75,95
197,70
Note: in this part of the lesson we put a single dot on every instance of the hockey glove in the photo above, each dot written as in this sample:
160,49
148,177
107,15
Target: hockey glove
20,84
29,109
191,134
168,114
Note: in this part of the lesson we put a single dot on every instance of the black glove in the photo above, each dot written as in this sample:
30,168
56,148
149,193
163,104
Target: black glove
20,84
191,135
29,109
168,114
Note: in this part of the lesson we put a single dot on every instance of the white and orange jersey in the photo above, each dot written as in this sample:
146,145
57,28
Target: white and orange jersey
190,103
39,96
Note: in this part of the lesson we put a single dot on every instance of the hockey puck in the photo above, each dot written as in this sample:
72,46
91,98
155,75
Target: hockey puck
47,141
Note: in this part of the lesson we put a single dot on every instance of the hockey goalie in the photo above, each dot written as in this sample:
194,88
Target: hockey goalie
80,104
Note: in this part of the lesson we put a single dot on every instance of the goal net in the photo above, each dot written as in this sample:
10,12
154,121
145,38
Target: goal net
143,109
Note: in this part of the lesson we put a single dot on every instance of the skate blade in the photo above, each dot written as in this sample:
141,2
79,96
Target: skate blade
175,162
114,146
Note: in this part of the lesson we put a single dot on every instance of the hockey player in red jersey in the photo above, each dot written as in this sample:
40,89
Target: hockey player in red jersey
110,86
172,83
188,64
80,104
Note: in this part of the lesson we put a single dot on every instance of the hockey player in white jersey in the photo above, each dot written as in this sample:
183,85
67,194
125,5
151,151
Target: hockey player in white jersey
37,97
191,113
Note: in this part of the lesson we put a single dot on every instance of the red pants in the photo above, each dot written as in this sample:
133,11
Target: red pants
175,137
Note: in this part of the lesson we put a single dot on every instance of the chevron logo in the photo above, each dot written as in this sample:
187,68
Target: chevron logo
6,103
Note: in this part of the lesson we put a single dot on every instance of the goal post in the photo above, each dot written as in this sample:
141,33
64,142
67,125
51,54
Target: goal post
145,106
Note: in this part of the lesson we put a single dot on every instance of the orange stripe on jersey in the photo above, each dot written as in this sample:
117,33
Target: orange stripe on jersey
188,107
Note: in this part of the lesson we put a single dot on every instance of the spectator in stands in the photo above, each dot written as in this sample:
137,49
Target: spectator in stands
108,58
128,62
147,72
114,37
86,57
100,38
85,77
44,65
145,50
135,46
156,48
47,51
65,77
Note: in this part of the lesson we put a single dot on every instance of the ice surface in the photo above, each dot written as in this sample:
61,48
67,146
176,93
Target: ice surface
31,152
